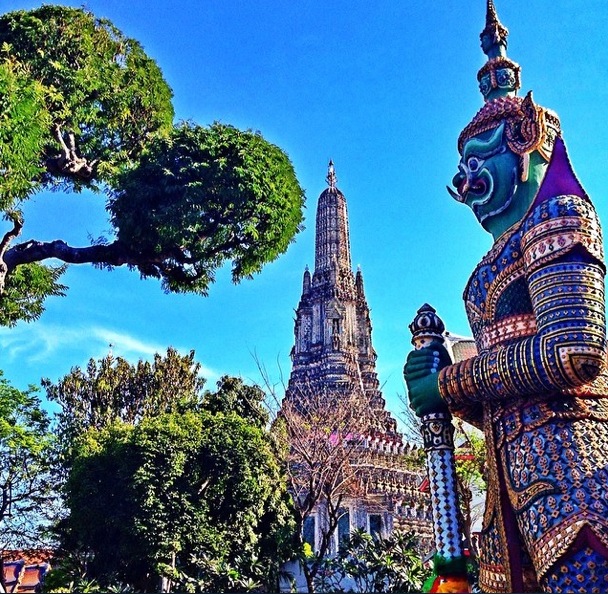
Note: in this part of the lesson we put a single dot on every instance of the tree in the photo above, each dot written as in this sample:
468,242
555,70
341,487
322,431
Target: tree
234,396
324,442
26,485
470,472
167,481
112,389
83,107
374,564
171,491
203,197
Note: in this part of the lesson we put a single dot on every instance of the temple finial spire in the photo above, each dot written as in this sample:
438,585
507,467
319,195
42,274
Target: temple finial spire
331,175
332,243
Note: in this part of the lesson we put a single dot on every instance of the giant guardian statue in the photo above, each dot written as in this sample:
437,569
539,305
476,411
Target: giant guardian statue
538,387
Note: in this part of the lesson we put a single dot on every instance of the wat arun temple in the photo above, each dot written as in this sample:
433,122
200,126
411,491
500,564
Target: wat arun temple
333,355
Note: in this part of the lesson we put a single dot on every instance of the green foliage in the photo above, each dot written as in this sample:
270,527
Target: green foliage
172,490
26,290
99,86
414,459
471,460
205,196
98,501
23,424
82,106
112,390
165,480
239,493
470,473
368,564
26,487
210,572
234,396
62,579
24,129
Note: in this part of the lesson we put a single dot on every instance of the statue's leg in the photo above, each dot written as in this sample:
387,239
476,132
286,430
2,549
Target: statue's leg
585,570
557,479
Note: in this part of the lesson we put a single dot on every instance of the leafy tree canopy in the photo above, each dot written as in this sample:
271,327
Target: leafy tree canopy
83,106
112,389
159,497
24,123
103,95
26,486
202,197
234,396
165,478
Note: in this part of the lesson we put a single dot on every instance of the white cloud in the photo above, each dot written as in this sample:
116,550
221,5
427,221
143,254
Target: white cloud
42,345
37,342
124,345
131,348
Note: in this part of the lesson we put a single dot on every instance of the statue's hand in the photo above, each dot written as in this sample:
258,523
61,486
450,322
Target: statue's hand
420,374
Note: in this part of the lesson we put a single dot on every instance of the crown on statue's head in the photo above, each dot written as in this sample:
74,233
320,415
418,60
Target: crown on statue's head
528,126
499,76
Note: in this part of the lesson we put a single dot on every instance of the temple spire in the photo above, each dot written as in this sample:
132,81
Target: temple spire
332,244
333,352
331,178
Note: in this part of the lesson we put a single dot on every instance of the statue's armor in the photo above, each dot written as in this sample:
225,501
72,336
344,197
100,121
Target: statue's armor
534,294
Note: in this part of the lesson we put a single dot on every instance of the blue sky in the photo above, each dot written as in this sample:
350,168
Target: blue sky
383,89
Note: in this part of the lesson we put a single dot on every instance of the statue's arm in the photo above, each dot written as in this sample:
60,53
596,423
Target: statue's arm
565,272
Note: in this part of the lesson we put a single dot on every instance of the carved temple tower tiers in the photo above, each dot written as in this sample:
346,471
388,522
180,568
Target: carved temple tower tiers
334,363
333,350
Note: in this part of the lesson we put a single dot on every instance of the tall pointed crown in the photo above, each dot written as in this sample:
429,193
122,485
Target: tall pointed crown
529,127
500,76
494,27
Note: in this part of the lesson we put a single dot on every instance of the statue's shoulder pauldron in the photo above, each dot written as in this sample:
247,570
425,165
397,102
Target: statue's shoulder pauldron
556,226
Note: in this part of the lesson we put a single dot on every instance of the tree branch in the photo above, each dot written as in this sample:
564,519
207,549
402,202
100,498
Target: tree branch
6,242
68,162
12,234
113,254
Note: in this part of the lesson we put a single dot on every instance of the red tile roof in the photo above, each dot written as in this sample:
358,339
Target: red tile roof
24,571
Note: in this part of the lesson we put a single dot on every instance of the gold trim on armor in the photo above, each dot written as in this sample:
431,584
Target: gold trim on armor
555,542
509,328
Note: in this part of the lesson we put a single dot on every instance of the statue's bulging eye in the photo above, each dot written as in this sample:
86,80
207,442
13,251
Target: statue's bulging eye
473,164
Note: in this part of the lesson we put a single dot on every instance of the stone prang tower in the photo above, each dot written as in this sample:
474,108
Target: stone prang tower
334,369
333,349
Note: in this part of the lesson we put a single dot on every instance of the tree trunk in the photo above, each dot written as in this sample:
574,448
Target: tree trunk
166,583
310,580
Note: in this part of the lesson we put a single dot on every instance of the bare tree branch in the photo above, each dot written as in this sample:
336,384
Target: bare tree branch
68,161
7,239
113,254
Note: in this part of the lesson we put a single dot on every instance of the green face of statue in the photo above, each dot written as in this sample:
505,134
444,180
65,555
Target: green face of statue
487,175
489,181
492,45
